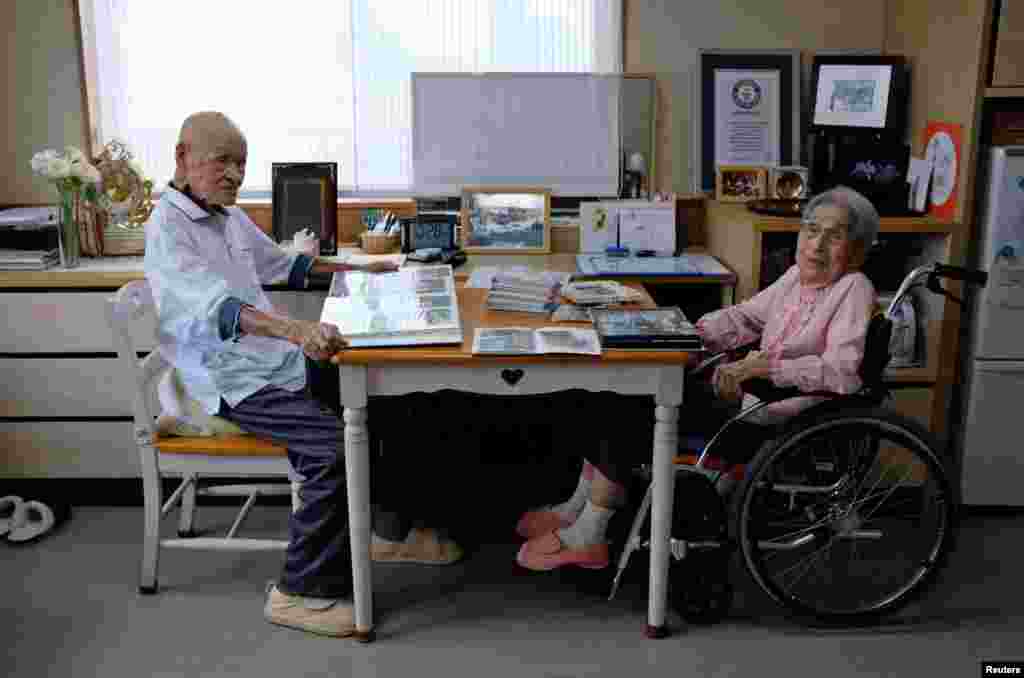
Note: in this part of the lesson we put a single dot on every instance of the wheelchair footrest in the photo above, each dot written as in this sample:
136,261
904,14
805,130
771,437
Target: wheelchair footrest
680,548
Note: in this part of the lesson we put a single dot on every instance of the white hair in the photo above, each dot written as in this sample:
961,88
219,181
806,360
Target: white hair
863,217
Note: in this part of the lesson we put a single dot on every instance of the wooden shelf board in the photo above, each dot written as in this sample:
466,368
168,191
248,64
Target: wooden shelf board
887,225
1003,92
903,375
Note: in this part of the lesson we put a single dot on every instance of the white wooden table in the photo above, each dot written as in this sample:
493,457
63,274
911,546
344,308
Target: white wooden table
372,372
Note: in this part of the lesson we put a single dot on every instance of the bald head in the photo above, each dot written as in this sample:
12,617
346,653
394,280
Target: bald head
210,157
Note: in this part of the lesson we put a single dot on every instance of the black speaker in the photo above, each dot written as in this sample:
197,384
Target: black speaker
305,195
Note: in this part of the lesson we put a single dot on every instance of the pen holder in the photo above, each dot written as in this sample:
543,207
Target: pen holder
380,243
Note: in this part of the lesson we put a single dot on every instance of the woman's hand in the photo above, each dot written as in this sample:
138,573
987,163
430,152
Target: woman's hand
729,378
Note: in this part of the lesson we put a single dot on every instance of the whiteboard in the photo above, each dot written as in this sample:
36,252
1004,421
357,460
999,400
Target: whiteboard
557,130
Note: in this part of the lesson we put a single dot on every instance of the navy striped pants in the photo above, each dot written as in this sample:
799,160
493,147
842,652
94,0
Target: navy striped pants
318,560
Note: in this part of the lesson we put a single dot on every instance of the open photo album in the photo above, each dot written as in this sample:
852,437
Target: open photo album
409,307
540,341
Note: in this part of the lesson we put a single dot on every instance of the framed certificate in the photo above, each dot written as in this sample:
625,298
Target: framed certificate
746,110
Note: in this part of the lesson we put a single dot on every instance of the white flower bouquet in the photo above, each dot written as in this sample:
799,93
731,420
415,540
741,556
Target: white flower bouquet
76,181
70,170
113,183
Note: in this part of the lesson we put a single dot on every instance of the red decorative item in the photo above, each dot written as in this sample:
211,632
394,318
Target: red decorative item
942,143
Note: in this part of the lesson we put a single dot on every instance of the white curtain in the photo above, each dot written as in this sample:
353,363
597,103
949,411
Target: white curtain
318,80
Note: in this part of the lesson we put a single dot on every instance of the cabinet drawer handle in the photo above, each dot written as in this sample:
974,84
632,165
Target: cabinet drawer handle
512,377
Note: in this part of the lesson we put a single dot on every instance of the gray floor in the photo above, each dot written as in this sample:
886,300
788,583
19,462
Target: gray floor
71,609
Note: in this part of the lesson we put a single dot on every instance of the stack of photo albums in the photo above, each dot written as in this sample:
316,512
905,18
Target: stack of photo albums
28,239
530,292
413,306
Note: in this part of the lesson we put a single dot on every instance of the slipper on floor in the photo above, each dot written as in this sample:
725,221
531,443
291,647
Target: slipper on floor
10,513
422,546
540,522
547,552
37,520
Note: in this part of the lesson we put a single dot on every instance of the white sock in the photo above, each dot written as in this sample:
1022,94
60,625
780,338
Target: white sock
589,528
381,541
575,503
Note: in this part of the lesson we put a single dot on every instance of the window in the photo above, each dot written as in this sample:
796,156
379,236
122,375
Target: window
314,80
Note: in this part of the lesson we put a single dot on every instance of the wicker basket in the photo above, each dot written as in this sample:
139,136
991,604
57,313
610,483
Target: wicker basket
379,243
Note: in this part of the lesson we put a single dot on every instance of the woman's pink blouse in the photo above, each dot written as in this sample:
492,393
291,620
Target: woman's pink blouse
814,337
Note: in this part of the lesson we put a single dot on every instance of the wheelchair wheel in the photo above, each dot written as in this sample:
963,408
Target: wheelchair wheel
846,518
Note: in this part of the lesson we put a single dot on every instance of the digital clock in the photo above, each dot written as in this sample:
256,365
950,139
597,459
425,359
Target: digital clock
427,231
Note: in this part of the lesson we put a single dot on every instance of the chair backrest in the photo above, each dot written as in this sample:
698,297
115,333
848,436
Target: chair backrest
130,311
876,350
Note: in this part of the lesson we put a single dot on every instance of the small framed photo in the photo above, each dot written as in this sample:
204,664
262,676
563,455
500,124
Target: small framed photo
740,183
503,220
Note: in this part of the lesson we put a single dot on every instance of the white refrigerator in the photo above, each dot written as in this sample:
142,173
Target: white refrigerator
993,435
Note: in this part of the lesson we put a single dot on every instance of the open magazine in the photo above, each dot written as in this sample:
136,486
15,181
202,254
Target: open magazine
540,341
408,307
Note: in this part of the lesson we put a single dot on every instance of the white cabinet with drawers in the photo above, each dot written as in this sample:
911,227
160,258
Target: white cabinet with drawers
63,410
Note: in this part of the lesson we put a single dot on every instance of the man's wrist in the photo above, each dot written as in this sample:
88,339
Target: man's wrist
321,266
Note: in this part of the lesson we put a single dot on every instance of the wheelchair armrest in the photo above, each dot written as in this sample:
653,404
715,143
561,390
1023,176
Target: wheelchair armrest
708,362
730,356
764,389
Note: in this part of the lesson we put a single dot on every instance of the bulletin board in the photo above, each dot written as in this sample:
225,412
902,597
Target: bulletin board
557,130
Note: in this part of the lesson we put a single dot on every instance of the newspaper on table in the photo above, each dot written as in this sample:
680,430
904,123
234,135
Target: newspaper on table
408,307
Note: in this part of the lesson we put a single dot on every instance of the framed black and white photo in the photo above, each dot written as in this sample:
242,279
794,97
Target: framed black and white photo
859,92
746,111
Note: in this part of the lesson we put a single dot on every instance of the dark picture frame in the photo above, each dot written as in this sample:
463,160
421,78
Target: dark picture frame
876,68
305,195
786,63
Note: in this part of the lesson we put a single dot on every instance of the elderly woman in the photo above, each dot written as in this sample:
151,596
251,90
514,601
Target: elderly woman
811,324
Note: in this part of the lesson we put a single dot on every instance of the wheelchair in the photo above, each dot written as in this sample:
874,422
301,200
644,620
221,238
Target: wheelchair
844,515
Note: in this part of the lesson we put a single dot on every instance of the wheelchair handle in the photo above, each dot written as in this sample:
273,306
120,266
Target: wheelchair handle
969,275
933,272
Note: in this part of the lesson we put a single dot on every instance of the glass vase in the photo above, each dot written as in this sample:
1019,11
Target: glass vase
68,235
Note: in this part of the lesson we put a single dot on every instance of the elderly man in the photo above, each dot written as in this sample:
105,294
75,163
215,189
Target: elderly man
243,361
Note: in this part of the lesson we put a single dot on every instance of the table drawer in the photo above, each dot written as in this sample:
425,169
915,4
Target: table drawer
511,378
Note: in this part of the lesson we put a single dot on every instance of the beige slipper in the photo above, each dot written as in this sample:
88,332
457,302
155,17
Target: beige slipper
323,616
421,546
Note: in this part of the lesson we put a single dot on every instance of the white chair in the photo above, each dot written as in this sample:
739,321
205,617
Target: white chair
131,314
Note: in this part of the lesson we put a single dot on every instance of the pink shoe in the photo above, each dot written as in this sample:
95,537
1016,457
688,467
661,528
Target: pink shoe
547,553
536,523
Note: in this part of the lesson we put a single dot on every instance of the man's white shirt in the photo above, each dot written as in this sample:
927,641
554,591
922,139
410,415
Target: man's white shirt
202,267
